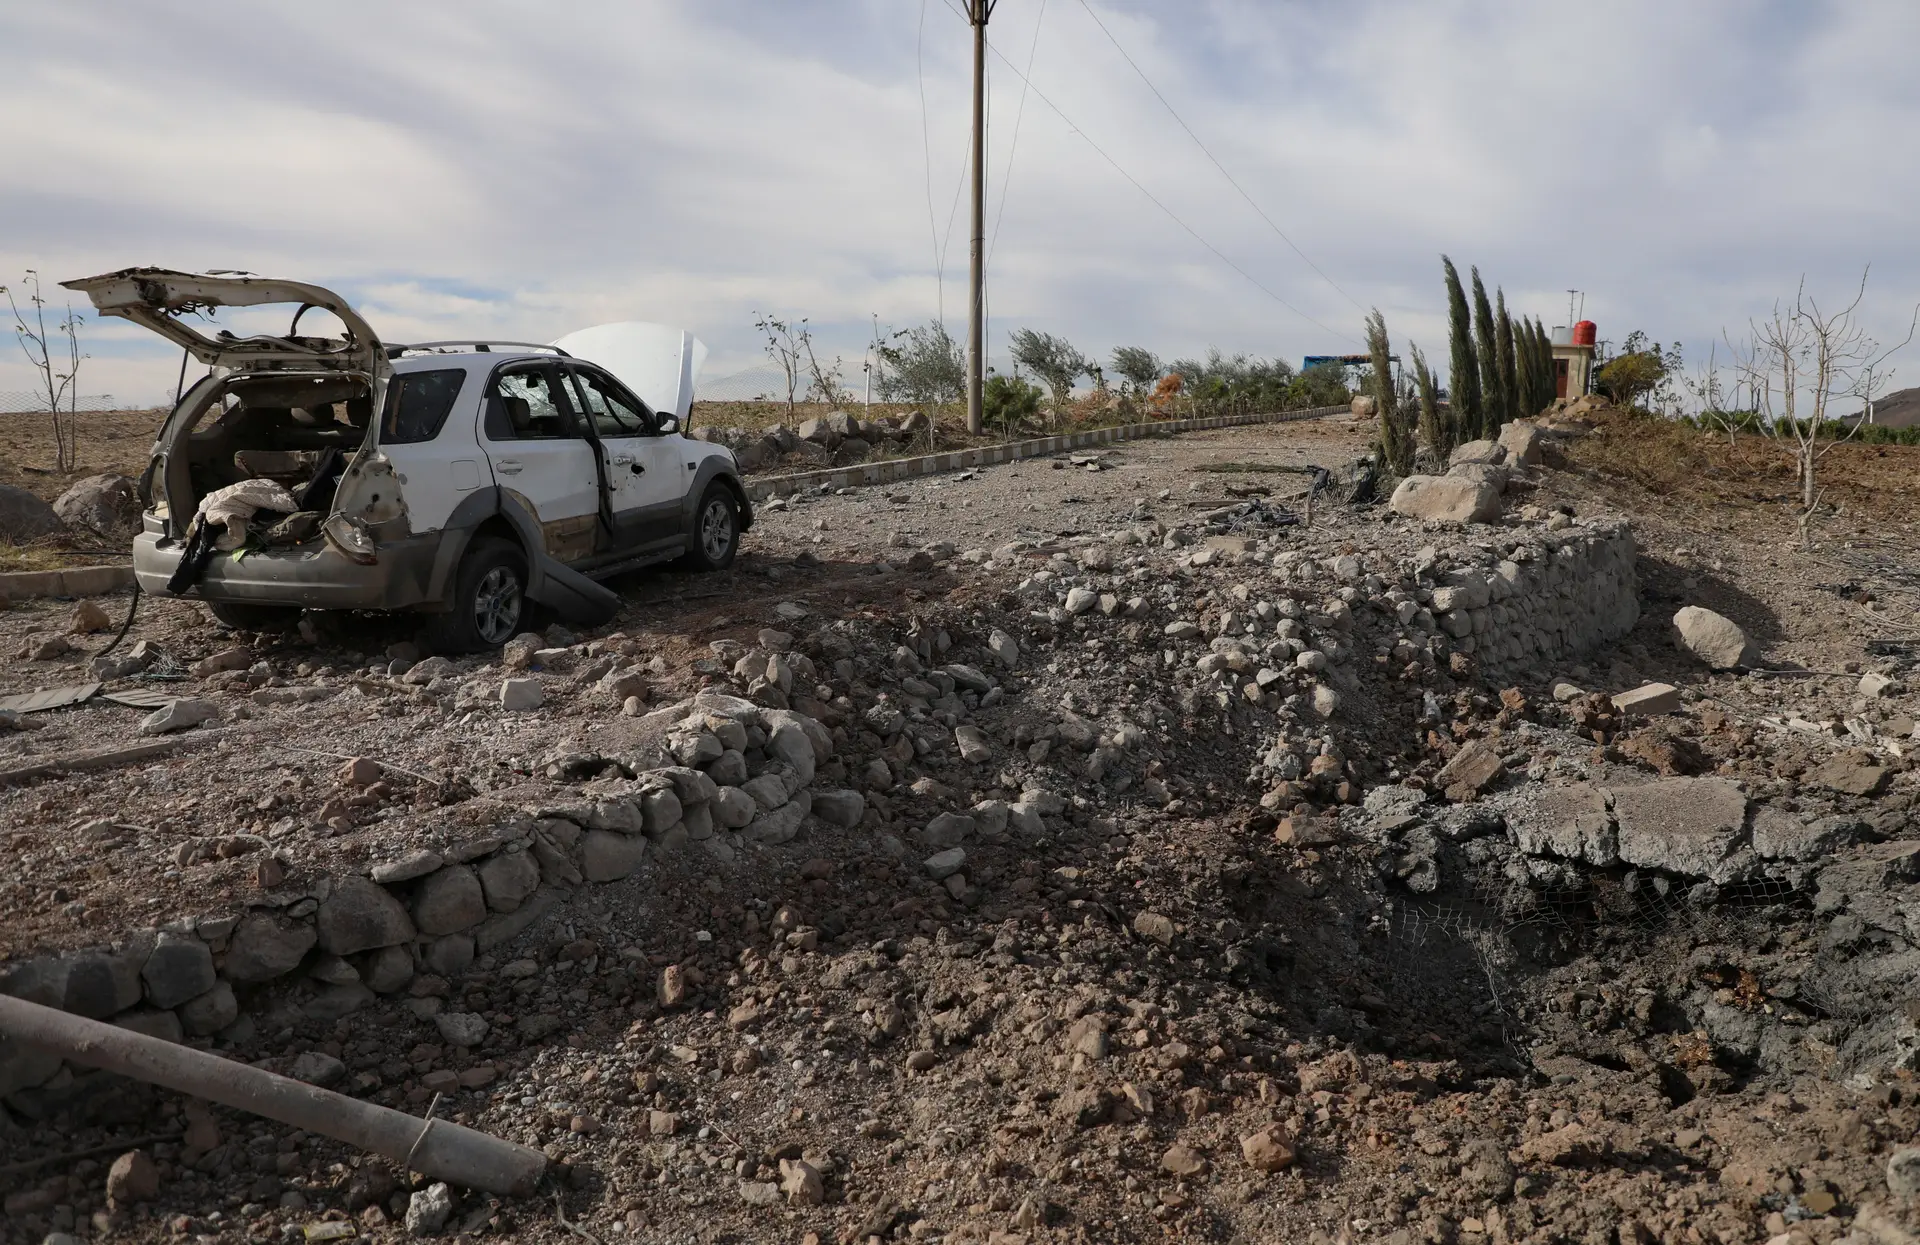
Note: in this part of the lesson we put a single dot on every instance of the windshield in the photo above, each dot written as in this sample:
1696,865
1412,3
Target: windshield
418,404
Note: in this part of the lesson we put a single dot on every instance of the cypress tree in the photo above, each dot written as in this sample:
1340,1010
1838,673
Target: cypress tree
1430,427
1396,441
1543,363
1463,368
1509,366
1523,357
1493,402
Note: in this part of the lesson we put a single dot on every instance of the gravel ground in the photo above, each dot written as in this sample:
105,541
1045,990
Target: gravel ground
1195,1000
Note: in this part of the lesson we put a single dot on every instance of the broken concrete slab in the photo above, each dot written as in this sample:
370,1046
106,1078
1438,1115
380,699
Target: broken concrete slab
1689,826
1850,773
1569,822
1779,835
1647,700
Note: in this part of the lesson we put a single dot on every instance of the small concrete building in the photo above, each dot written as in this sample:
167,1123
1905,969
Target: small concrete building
1573,359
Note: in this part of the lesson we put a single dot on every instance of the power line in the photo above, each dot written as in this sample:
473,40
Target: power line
926,153
1151,198
1211,157
954,210
1013,144
1013,147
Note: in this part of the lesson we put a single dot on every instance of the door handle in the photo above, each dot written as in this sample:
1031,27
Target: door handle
623,460
507,466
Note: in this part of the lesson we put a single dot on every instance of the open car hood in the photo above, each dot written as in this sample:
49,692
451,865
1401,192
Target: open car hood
160,299
658,362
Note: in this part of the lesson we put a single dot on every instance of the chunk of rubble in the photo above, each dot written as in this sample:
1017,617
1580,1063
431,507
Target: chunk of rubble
1688,826
1779,835
1714,638
1472,770
1647,700
1570,822
1482,451
1446,499
1522,442
1850,773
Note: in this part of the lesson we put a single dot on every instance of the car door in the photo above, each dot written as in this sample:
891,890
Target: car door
538,454
643,467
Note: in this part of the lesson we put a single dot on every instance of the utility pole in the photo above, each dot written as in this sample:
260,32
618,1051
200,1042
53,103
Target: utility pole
978,11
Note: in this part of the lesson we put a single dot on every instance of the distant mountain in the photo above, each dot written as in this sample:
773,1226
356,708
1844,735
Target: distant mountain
1900,409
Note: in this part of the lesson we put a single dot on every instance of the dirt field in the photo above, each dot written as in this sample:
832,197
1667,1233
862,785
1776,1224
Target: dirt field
1207,997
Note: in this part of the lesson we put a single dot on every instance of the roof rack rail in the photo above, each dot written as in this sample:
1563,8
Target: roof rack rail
476,345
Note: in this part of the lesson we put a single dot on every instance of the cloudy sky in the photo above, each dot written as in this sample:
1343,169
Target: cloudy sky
518,170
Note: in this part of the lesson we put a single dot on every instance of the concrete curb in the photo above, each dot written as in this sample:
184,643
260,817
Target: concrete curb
887,471
78,581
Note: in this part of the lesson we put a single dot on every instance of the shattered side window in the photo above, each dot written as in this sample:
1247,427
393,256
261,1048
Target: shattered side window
524,407
613,414
418,404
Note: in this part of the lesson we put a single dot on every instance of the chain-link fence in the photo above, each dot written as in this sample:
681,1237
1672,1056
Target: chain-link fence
1511,929
27,403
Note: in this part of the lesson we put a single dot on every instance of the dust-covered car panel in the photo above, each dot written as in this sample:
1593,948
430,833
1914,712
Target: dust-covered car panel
307,472
163,300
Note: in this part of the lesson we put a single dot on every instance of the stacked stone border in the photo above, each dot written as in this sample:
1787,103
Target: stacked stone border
343,939
74,581
889,470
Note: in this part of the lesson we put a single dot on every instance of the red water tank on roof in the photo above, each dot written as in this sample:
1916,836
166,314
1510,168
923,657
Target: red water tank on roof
1585,333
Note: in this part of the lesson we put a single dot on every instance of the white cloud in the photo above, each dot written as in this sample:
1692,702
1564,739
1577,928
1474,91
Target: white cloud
486,168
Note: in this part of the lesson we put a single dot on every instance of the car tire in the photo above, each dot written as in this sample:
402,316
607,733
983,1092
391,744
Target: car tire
242,616
489,601
715,537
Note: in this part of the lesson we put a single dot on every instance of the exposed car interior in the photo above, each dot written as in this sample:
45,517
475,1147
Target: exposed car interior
523,407
296,431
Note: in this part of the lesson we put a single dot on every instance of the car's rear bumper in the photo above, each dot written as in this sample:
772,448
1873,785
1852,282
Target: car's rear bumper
313,576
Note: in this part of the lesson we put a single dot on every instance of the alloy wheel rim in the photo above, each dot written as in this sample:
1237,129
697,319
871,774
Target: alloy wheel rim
716,529
496,605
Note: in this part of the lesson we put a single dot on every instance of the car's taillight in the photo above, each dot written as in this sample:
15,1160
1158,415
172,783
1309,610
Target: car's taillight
350,536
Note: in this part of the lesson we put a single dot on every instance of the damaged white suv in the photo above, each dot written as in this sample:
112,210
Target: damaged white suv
461,480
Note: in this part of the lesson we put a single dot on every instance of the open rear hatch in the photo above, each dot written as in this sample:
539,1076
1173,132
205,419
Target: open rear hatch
160,299
282,417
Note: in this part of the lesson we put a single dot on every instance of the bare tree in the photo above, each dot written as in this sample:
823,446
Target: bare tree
1803,350
788,344
1711,396
823,379
40,344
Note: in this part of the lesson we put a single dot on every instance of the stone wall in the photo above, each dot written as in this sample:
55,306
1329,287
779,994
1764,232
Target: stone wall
1544,595
729,773
759,488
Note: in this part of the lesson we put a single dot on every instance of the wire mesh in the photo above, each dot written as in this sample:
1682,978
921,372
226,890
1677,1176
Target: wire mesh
1514,928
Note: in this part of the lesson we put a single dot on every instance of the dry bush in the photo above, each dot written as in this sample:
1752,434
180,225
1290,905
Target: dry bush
1670,459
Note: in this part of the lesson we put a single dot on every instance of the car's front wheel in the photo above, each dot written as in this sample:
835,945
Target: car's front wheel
489,599
716,530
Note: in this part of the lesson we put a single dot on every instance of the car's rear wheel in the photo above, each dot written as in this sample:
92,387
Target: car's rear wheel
716,530
489,599
242,616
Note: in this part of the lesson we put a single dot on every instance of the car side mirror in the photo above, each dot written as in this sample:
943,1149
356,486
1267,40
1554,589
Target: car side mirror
669,423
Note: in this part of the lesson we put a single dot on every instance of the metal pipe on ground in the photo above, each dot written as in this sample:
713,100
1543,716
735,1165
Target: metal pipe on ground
435,1148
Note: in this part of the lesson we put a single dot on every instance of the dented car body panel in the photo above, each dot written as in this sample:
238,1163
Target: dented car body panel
401,460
